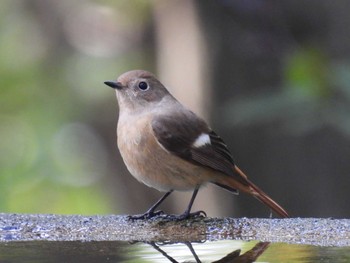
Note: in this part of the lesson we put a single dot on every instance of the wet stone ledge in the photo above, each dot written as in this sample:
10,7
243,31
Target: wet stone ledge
47,227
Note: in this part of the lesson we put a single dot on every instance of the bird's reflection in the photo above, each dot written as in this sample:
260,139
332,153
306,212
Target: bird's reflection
233,257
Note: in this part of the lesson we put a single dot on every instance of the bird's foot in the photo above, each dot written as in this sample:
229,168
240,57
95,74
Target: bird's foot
186,215
147,215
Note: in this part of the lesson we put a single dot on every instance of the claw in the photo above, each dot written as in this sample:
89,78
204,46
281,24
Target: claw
186,215
201,213
147,215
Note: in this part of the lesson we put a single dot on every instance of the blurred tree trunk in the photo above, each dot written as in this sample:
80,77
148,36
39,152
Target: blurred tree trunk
182,67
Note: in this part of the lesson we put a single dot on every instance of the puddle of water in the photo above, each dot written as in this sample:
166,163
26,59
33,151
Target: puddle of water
214,251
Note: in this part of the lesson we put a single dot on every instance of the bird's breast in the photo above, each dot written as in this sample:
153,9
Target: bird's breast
150,163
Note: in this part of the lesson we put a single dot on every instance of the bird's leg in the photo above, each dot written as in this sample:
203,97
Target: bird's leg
187,212
156,247
150,212
189,245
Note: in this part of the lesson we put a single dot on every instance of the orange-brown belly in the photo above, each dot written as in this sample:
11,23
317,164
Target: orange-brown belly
154,166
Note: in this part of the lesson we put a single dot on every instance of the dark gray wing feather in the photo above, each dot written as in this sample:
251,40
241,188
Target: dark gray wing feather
178,138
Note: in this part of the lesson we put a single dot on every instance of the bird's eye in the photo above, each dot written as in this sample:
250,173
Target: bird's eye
143,85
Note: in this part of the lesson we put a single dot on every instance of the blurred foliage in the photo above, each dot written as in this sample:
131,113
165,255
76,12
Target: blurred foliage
315,93
306,69
55,56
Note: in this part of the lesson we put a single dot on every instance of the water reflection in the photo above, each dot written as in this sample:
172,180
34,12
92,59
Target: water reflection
233,257
88,252
210,251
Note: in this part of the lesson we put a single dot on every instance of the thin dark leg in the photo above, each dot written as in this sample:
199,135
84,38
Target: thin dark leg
150,212
187,212
153,244
189,207
189,245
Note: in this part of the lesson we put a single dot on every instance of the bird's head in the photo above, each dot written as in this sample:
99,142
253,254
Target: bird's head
138,89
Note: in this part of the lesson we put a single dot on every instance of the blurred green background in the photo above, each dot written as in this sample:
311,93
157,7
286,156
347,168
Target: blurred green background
272,78
55,56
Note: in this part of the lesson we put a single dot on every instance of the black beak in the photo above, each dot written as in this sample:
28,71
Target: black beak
113,84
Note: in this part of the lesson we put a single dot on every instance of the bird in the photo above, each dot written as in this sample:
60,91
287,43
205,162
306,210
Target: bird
168,147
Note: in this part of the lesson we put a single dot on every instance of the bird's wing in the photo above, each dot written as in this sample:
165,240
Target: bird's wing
192,140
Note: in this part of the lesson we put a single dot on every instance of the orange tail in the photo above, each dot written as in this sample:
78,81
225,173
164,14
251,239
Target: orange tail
250,188
264,198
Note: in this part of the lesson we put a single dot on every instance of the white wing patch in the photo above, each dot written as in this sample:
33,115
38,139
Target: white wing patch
202,140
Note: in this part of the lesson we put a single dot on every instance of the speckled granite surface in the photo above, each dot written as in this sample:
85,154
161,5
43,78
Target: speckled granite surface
42,227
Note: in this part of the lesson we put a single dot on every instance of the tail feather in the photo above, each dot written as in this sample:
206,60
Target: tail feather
254,190
264,198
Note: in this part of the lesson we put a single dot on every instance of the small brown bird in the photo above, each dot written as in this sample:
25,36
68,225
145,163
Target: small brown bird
168,147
